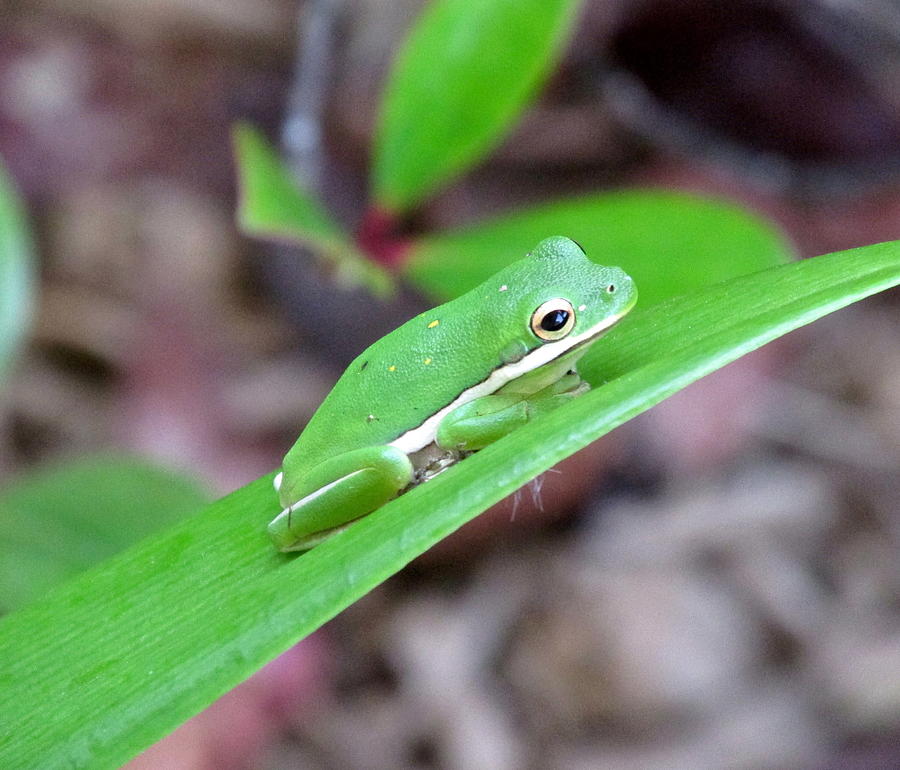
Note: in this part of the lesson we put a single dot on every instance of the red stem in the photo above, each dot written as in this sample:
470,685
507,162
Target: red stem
379,237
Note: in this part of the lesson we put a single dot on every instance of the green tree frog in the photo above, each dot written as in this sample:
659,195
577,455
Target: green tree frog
448,382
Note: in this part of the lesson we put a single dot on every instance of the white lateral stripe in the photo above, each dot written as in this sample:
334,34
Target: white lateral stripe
421,436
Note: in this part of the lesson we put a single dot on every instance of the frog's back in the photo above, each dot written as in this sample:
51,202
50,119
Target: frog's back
426,364
400,381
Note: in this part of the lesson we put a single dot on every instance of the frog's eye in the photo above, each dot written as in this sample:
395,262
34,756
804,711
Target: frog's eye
553,320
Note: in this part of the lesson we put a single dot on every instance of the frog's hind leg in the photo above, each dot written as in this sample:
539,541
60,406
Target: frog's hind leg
336,492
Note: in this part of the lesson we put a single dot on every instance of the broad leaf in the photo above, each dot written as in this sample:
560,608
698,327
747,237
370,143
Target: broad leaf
465,73
16,279
56,522
108,663
670,243
271,204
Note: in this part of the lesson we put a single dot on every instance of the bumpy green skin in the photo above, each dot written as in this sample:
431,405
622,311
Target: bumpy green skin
341,466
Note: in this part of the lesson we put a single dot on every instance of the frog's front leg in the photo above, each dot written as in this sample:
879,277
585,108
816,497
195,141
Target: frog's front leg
489,418
336,492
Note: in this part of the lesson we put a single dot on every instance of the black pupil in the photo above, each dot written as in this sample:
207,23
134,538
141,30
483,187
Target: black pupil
554,320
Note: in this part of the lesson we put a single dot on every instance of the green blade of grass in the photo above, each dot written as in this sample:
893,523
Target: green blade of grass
106,664
465,73
671,243
272,205
16,278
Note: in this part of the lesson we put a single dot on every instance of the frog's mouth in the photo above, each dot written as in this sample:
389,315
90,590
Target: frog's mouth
422,435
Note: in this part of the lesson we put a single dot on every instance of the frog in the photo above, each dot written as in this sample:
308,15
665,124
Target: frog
445,384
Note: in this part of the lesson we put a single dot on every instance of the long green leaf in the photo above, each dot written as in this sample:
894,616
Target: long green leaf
16,278
272,205
465,73
110,662
671,243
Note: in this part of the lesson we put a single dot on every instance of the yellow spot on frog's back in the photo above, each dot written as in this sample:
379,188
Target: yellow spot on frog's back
392,368
433,324
427,361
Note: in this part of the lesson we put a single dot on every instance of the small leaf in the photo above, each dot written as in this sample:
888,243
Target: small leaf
56,522
103,666
271,204
465,73
670,243
16,273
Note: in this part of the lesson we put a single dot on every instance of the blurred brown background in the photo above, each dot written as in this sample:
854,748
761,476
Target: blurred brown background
716,585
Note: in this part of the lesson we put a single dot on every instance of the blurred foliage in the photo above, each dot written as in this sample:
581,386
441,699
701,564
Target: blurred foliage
59,521
16,273
172,623
56,522
465,73
272,203
669,243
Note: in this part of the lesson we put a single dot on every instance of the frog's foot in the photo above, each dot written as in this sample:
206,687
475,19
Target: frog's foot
433,460
569,384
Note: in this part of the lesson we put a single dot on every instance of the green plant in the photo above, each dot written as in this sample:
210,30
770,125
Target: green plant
463,78
100,667
111,661
57,521
16,273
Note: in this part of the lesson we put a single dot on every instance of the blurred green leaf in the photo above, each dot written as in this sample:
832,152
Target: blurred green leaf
103,666
465,73
16,272
56,522
272,205
670,243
